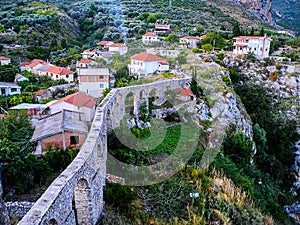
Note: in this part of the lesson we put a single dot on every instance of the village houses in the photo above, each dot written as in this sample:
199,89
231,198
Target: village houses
4,61
77,102
191,41
58,73
143,64
259,45
85,63
92,81
9,88
60,130
162,28
120,49
150,37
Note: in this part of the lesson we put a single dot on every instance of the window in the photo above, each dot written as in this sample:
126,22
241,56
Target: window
74,140
56,76
254,49
13,89
266,49
101,77
67,76
101,85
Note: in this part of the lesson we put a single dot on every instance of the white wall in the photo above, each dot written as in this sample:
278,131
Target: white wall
92,86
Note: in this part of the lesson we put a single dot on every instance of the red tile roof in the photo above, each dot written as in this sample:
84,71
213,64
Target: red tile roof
25,63
164,63
3,58
78,99
58,70
40,92
118,45
248,37
147,57
184,92
165,26
104,42
85,60
150,34
35,62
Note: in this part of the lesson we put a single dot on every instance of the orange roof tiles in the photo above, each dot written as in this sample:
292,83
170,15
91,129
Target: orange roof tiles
78,99
25,63
147,57
150,34
85,60
248,37
240,44
58,70
164,63
3,58
104,42
118,45
184,92
35,62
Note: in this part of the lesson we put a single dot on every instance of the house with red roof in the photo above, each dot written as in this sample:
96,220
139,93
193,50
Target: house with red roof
185,94
77,102
105,44
150,37
259,45
4,61
162,28
85,63
143,64
57,73
191,41
120,48
33,65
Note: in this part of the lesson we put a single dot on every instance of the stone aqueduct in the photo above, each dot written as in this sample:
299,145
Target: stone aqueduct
76,195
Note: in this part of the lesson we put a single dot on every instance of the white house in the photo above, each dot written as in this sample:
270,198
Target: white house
7,88
33,66
143,64
4,61
120,49
93,80
57,73
77,102
105,44
260,46
149,38
85,63
191,41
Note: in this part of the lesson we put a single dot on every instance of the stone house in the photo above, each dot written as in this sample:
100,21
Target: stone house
93,80
62,129
184,94
150,38
8,88
260,46
77,102
4,61
143,64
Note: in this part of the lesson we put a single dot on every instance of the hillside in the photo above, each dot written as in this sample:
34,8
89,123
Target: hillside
287,14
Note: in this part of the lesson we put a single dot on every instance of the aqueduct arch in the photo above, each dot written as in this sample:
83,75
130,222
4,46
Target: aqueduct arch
77,193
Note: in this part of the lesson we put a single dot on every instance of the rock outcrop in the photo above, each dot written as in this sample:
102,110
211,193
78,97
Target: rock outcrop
259,8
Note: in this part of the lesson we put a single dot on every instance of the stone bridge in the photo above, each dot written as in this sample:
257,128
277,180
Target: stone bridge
76,195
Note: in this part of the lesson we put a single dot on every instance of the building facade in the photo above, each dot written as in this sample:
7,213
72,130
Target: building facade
260,46
8,88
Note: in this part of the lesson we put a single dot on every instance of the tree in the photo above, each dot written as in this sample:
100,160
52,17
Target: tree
262,32
207,47
236,31
172,38
64,43
252,31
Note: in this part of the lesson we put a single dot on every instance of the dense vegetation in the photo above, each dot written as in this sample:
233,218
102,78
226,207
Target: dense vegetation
18,161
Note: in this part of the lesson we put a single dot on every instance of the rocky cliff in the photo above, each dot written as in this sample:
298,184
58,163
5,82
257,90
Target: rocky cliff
259,8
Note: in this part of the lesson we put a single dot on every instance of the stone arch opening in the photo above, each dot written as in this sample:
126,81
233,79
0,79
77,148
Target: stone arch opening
154,96
119,99
51,222
80,203
143,94
129,103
